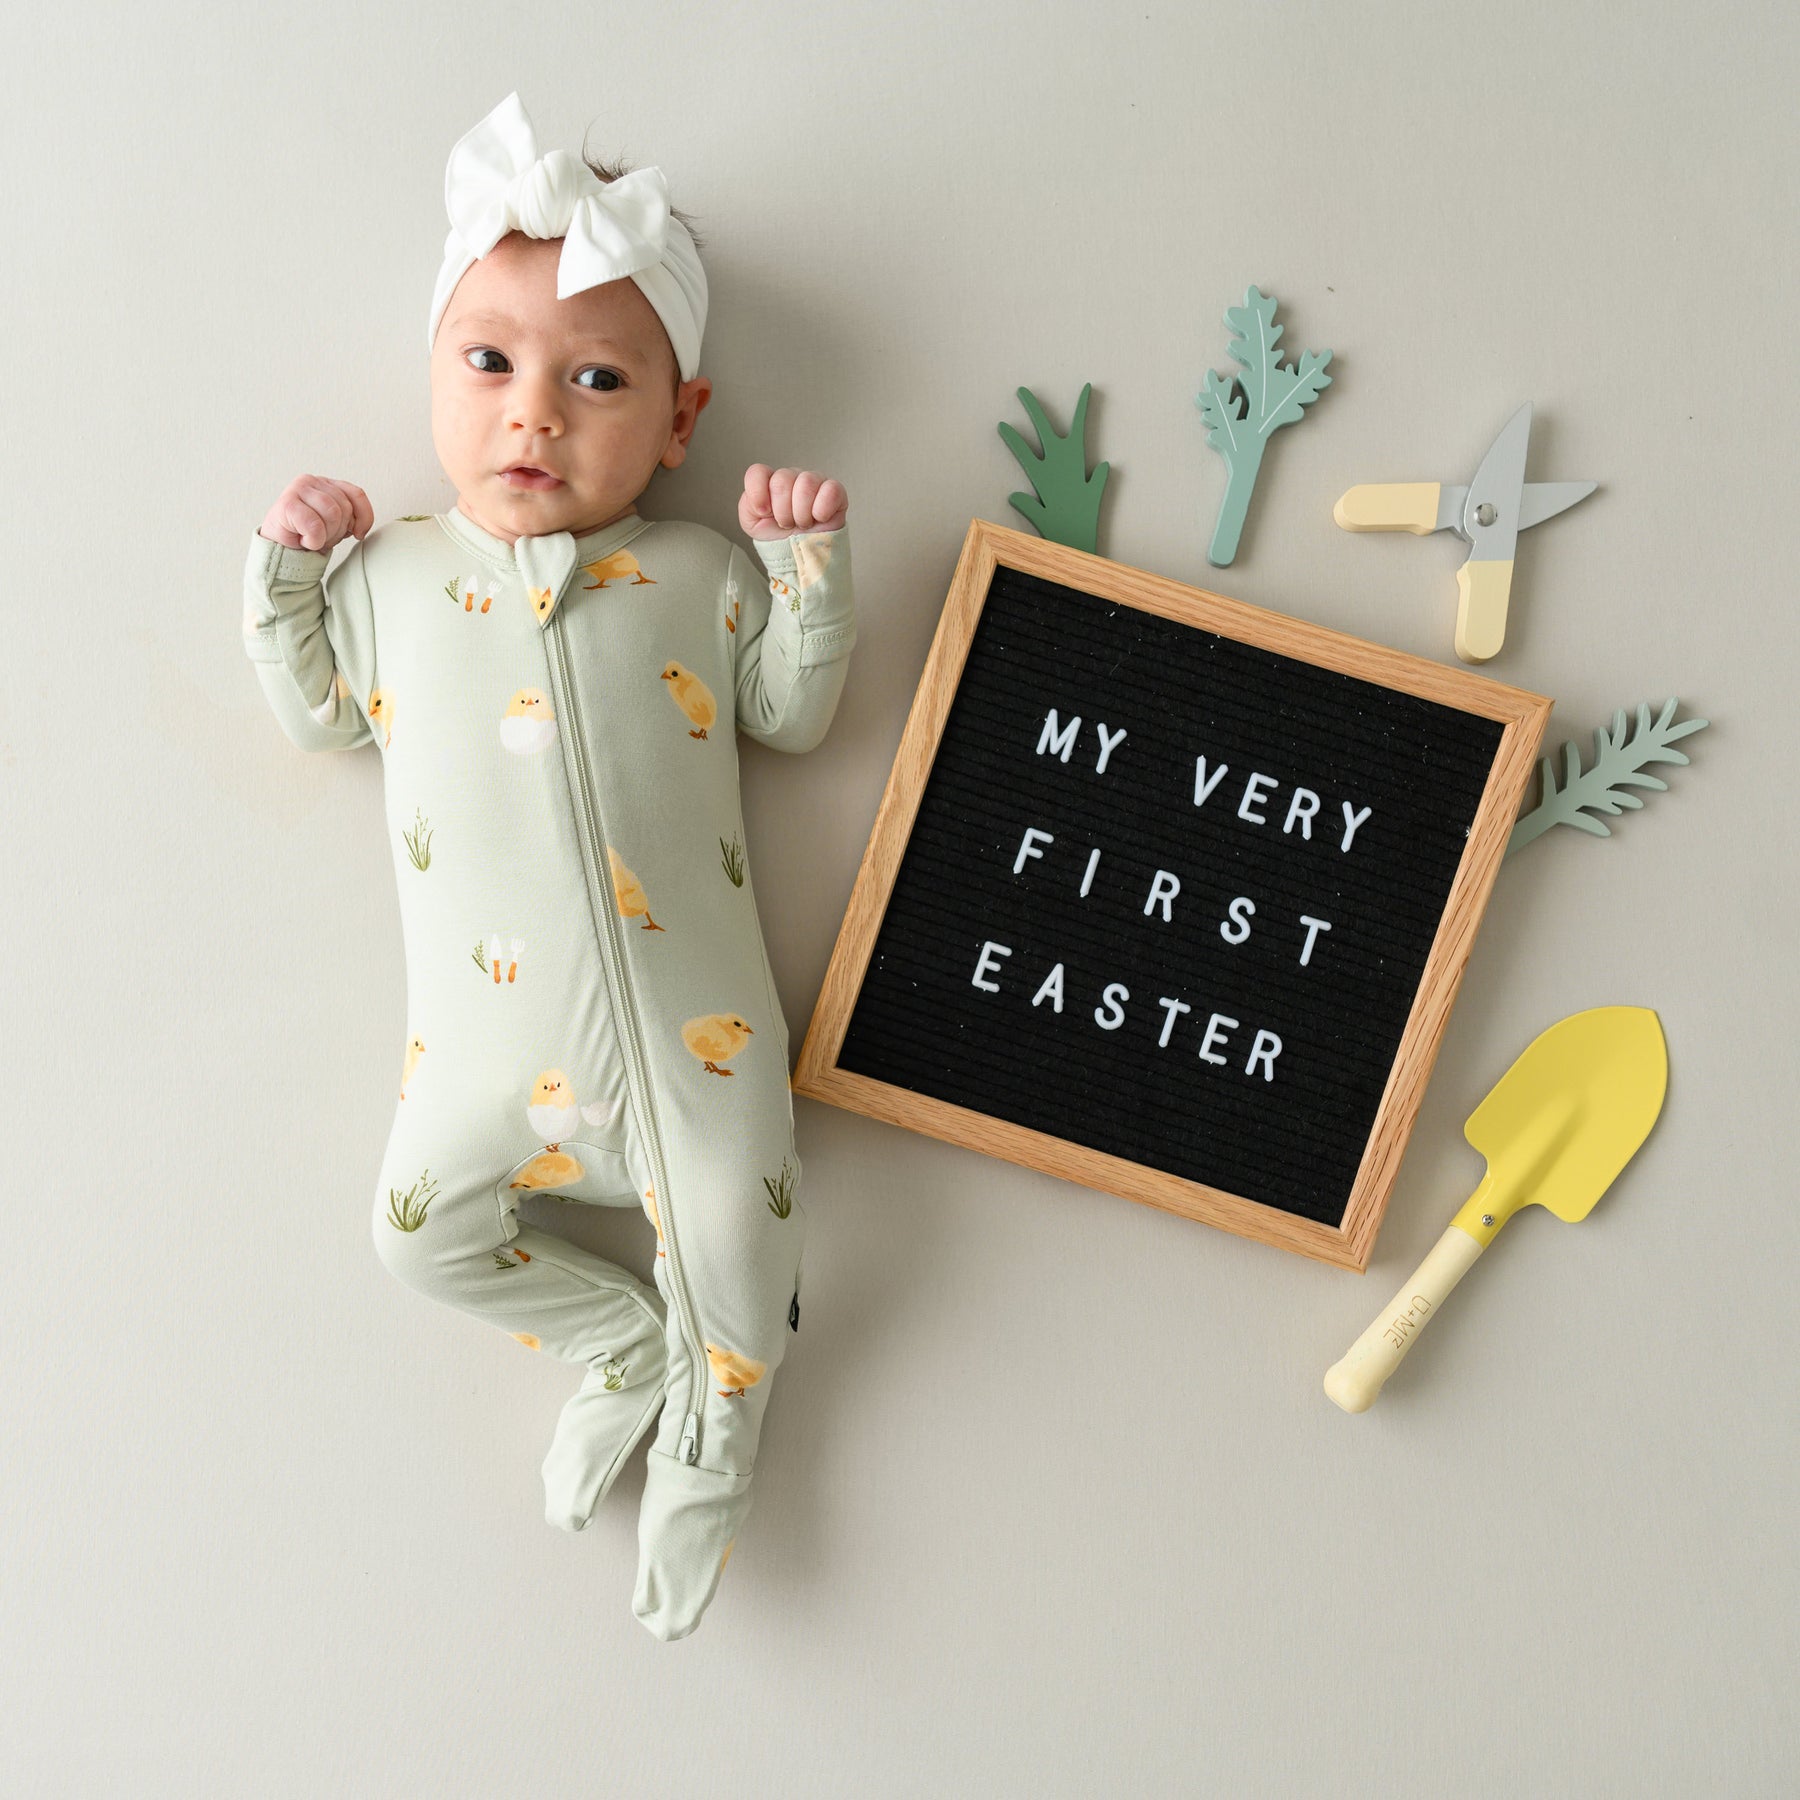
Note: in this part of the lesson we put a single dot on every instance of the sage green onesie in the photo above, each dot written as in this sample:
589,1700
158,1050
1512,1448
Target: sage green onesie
591,1012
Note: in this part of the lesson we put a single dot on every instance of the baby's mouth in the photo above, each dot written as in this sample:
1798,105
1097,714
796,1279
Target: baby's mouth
527,475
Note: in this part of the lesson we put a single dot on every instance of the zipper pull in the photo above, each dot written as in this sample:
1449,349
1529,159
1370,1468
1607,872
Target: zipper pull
690,1439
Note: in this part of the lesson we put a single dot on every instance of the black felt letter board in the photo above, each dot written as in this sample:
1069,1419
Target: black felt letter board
942,1011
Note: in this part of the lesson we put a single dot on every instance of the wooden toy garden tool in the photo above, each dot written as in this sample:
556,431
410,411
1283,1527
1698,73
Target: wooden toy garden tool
1489,513
1559,1126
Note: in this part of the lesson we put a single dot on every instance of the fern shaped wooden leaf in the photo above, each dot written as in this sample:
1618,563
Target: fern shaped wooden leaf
1621,764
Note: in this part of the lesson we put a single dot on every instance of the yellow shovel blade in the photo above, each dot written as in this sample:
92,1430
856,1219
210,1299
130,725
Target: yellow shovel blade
1567,1116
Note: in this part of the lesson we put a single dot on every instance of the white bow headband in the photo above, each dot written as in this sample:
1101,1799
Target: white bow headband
496,182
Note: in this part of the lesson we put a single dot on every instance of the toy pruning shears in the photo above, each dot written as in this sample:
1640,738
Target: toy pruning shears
1489,514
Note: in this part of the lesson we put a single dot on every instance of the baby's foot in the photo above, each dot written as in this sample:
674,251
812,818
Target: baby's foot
618,1401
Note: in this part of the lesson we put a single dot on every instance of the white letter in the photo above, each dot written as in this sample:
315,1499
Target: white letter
1239,918
1087,881
1266,1053
1351,821
1028,848
1252,795
1313,928
1063,740
1159,892
1115,992
1107,746
1215,1036
1171,1007
982,968
1304,806
1052,986
1204,784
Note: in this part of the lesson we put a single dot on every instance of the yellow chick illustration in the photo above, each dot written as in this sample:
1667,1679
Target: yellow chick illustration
528,725
615,568
530,1342
715,1038
542,602
414,1050
693,696
551,1168
738,1373
381,712
554,1111
630,896
812,555
655,1218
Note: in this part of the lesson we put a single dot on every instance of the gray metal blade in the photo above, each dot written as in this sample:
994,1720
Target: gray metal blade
1545,499
1498,489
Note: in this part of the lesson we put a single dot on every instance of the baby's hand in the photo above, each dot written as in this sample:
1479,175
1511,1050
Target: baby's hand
315,513
779,502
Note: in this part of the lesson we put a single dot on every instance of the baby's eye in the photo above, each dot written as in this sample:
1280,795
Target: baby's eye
604,382
486,369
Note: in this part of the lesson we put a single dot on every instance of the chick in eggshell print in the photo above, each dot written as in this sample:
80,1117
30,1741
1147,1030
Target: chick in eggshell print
554,1111
381,713
528,725
715,1038
693,696
630,896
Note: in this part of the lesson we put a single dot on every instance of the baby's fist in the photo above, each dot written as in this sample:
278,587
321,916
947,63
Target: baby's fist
315,513
779,502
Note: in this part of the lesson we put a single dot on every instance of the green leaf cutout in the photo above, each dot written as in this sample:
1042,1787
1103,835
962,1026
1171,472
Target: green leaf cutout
1620,761
1065,507
1241,411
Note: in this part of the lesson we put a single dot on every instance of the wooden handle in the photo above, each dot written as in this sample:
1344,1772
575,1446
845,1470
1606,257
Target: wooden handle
1482,590
1355,1380
1390,506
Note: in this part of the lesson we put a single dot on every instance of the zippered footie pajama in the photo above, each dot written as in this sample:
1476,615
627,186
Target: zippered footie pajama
591,1014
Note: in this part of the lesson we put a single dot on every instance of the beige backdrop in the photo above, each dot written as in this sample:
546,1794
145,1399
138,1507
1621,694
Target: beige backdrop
1050,1502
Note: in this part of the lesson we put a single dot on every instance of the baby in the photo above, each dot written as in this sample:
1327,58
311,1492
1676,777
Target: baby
591,1012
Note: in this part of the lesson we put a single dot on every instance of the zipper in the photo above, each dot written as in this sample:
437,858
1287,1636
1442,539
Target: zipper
625,1010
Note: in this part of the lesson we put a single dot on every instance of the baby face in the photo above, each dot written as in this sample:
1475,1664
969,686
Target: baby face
585,391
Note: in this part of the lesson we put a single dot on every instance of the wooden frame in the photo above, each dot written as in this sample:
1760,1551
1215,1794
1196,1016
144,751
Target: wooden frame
987,546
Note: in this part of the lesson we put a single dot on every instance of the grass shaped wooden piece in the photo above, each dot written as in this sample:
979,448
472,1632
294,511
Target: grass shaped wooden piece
1065,507
1243,410
1620,763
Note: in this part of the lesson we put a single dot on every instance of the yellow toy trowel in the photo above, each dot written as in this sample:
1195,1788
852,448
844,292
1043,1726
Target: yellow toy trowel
1559,1126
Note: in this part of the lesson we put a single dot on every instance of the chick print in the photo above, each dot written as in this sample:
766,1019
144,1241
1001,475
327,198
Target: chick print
414,1050
630,896
812,556
615,568
655,1218
530,1342
381,712
554,1111
738,1373
693,696
715,1038
550,1168
528,725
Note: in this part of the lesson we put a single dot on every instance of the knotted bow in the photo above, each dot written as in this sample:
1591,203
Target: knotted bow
496,182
